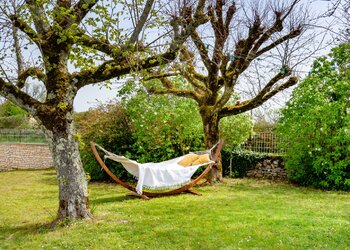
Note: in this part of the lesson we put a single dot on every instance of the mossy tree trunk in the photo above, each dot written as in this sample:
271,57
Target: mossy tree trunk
211,136
72,182
56,118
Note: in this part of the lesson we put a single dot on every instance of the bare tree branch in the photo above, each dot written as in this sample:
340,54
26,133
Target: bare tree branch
13,93
30,72
64,3
202,49
292,34
18,50
82,8
141,22
177,92
112,69
229,15
40,19
98,44
189,71
24,27
160,75
256,102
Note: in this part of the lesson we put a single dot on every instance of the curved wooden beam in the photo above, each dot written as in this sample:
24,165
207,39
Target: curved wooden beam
146,195
109,172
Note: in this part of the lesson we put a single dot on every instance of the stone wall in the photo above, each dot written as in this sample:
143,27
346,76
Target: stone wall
271,168
24,156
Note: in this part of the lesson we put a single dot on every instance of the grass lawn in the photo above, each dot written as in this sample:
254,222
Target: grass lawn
236,214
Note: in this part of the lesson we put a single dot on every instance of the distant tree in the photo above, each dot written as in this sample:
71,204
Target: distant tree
315,125
91,35
239,37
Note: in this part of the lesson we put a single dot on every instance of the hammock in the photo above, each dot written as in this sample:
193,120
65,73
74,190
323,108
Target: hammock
161,175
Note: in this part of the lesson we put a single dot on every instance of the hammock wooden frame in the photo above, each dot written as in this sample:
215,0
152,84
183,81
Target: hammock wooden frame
146,195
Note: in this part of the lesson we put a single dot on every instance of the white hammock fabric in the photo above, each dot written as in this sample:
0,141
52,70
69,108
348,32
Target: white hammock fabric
160,175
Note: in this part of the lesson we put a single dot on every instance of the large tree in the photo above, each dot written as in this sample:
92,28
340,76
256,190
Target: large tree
240,37
90,35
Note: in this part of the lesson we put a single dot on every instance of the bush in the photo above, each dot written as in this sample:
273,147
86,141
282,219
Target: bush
110,127
235,130
315,125
164,127
152,130
12,116
242,161
10,109
14,122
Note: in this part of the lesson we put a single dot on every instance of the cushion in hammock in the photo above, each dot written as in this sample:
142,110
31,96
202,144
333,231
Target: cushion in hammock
201,159
188,160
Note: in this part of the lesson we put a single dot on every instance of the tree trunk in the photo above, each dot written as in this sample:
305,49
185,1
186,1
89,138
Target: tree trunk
73,194
211,137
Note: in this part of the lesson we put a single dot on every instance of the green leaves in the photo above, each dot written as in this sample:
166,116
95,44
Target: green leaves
10,109
234,130
164,126
315,124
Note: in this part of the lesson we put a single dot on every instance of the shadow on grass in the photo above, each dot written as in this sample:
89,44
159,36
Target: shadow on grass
52,181
49,177
9,232
51,173
112,199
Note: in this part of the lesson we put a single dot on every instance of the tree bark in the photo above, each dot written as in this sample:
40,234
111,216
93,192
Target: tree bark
211,137
73,194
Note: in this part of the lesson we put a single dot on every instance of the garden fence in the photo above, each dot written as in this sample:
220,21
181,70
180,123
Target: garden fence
264,142
22,136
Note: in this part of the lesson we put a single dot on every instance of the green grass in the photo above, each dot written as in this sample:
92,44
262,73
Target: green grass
236,214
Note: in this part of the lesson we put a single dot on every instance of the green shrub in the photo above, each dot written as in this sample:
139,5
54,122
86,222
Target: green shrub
235,130
151,130
12,116
14,122
315,125
242,161
164,127
109,127
10,109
